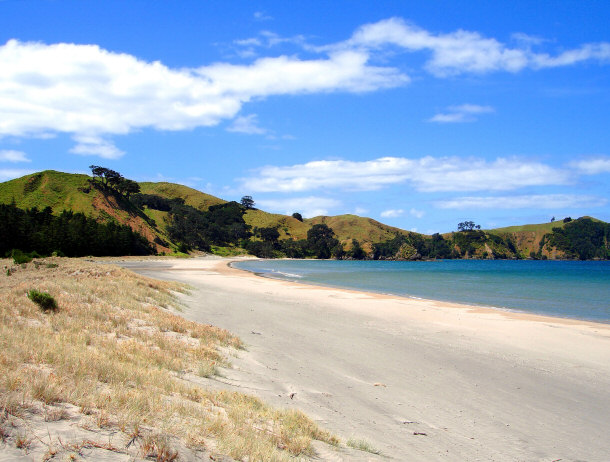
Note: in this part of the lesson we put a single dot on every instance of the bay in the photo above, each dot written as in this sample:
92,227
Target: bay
569,289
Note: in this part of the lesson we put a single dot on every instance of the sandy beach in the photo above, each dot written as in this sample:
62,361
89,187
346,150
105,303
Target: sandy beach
418,380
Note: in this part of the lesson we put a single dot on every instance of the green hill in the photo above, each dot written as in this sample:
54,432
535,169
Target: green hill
65,191
527,238
58,190
69,191
192,197
365,230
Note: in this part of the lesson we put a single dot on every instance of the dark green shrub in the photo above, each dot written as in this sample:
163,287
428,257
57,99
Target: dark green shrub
19,257
44,300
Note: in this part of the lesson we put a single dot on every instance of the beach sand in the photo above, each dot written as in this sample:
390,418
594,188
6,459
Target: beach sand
418,380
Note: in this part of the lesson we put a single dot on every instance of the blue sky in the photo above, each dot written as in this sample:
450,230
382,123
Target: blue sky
417,114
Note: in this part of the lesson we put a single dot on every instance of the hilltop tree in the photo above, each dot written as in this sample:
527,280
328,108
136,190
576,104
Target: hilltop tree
107,176
247,202
298,216
468,226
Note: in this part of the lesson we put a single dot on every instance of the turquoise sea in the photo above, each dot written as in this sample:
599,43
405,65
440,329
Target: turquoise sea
569,289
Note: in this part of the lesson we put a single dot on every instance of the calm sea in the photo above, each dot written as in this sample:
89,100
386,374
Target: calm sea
570,289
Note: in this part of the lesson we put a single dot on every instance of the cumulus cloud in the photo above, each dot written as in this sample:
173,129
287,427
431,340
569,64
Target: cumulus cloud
462,113
84,90
428,174
94,145
88,91
247,125
541,201
310,206
592,166
392,213
463,51
13,156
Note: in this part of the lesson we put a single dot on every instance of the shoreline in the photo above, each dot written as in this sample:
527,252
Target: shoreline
418,380
509,312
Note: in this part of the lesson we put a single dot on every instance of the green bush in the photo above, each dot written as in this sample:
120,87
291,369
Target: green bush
44,300
19,257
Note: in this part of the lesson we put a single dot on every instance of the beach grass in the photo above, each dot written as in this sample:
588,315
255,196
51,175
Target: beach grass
114,348
362,445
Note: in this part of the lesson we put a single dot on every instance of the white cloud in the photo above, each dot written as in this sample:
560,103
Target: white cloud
10,174
13,156
310,206
392,213
247,125
427,174
527,39
262,16
465,51
587,52
360,211
542,201
88,145
592,166
463,113
86,90
268,39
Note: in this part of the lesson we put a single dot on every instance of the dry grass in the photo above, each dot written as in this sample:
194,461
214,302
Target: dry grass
114,349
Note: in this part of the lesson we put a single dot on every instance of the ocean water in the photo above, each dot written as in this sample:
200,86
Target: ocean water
569,289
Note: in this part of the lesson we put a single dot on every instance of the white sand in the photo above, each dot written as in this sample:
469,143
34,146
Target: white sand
419,380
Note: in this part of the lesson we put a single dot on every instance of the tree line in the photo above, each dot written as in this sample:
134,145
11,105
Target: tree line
70,234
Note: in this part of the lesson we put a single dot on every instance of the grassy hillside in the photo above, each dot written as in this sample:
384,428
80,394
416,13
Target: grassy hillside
527,237
192,197
65,191
58,190
68,191
365,230
289,227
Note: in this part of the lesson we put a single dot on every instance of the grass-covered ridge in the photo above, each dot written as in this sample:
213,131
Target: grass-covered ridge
58,190
192,197
75,192
113,357
200,221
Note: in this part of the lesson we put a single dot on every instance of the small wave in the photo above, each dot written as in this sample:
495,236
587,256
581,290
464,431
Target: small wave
288,275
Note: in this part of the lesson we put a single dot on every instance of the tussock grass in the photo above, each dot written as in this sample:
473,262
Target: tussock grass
362,445
115,350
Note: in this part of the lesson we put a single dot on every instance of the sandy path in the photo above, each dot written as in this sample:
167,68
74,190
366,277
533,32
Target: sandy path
418,380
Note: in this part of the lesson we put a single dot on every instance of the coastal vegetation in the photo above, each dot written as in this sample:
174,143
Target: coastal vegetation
109,357
71,234
583,239
167,218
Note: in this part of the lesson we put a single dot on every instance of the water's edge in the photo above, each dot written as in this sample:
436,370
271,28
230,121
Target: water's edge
500,288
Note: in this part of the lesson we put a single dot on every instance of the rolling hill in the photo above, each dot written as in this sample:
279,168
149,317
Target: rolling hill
69,191
64,191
